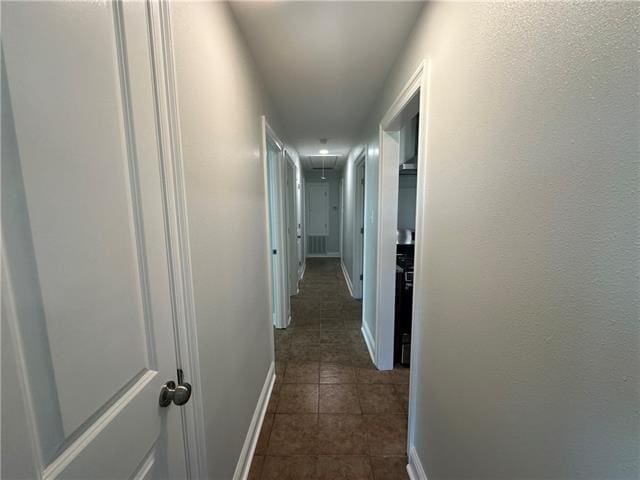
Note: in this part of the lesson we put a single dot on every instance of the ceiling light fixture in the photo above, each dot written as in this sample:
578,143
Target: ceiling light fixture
323,151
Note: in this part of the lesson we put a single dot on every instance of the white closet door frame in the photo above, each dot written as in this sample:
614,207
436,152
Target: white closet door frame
274,182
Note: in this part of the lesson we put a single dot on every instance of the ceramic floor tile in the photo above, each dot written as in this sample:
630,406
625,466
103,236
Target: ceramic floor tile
341,434
298,398
290,468
402,391
294,435
386,434
302,373
389,468
336,373
339,399
344,468
304,353
373,375
378,398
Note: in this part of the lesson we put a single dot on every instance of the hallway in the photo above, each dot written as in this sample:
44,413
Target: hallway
332,414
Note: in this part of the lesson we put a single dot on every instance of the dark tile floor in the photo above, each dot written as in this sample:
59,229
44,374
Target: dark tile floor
332,414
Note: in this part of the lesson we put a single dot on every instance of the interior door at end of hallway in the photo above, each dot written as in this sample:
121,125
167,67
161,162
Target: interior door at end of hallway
86,282
318,222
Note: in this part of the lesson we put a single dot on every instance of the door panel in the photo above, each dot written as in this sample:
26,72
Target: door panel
318,224
360,216
292,228
88,173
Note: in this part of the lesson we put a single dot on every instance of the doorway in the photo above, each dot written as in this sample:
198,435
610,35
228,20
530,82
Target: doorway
397,151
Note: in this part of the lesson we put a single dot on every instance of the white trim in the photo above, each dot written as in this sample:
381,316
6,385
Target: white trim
248,449
408,91
368,339
169,142
281,311
420,248
387,215
414,467
346,277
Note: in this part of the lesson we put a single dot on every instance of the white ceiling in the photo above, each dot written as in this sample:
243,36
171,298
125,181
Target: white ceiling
324,63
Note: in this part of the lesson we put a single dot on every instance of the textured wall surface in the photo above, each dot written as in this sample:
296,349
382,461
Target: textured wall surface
221,100
529,339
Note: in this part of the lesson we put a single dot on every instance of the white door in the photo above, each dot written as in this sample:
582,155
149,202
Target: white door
292,227
87,318
360,193
318,223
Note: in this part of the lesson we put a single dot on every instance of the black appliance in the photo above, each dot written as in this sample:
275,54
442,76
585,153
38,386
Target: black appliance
404,304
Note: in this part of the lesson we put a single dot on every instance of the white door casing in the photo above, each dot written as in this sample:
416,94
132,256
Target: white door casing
273,154
87,167
359,228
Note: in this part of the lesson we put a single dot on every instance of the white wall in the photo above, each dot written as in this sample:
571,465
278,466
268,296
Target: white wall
220,103
529,342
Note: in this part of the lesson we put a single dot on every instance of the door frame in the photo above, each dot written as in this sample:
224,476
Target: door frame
358,257
388,178
175,206
279,289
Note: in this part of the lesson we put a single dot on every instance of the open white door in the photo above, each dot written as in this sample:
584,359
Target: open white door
292,226
358,281
88,336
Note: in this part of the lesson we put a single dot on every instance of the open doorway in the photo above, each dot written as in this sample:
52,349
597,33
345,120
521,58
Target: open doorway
401,203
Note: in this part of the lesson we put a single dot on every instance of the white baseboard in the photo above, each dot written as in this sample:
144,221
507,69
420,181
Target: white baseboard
368,339
325,255
246,455
347,278
414,468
